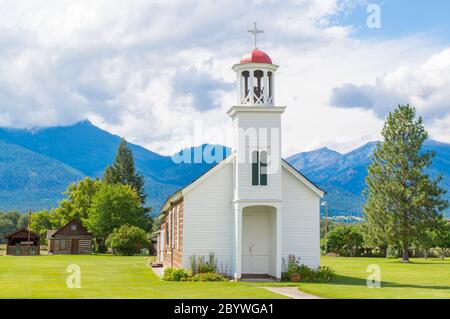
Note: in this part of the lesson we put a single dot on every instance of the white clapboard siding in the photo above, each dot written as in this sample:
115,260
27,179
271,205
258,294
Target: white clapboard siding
301,221
208,217
245,189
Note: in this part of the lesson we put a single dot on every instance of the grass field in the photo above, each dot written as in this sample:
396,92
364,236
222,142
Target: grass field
104,276
419,279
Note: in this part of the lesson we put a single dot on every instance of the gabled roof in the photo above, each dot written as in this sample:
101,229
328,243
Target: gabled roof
20,230
70,222
179,193
303,178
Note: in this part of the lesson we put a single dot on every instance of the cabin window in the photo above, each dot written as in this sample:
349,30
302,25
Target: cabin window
259,168
62,244
73,227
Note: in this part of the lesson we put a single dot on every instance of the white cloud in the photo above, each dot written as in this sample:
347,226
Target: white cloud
427,87
144,69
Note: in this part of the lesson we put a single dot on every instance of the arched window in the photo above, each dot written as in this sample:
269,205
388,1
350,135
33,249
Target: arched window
269,75
245,85
258,89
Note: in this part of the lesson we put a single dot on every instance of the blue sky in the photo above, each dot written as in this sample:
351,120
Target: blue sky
162,78
401,18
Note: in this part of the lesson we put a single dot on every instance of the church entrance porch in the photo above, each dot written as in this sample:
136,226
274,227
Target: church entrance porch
259,242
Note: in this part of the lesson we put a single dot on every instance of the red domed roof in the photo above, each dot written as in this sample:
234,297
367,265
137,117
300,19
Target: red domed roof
256,56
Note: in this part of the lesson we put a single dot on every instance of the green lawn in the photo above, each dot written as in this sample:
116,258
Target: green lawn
106,277
419,279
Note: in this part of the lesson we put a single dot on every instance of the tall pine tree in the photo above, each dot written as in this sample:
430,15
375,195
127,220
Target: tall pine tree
403,202
122,171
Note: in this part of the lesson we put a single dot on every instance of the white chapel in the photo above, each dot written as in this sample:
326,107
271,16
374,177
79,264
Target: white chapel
253,209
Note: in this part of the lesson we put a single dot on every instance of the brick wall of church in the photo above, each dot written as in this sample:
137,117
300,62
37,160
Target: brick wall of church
173,232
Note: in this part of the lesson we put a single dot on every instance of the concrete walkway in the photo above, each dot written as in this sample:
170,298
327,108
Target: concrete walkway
291,292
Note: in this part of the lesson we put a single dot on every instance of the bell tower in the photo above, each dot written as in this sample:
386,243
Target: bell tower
257,128
255,77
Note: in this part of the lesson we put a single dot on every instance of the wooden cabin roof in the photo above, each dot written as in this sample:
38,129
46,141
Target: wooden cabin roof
67,229
22,233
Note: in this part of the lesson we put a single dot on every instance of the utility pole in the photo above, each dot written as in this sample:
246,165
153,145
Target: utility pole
324,203
29,233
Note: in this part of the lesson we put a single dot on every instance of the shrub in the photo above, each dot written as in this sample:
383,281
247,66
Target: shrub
208,276
306,273
295,268
175,274
199,265
127,240
326,273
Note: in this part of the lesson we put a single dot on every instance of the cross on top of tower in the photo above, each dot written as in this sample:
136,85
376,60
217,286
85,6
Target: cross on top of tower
255,32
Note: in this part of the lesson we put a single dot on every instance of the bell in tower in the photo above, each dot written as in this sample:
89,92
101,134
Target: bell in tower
255,77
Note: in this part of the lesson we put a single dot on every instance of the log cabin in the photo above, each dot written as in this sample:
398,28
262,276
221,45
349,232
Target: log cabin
71,239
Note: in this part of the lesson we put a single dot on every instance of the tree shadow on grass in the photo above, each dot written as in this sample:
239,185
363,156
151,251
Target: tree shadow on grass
412,263
352,281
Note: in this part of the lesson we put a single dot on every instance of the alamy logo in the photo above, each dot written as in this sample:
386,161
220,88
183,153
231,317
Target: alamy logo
374,279
74,279
374,19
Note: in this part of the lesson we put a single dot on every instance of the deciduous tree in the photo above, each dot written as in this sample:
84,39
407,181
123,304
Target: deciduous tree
345,240
442,240
78,202
41,222
113,206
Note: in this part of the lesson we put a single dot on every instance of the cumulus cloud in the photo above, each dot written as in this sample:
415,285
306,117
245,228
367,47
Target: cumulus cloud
128,62
426,86
146,69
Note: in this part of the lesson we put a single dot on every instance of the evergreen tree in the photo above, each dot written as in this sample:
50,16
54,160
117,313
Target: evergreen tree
123,171
403,202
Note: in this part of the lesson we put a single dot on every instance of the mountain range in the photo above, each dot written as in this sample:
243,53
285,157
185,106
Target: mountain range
36,166
342,176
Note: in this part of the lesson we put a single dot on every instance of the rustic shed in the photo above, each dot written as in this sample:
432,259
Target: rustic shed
72,239
22,242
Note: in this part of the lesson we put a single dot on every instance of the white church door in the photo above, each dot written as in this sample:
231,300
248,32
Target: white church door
256,243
